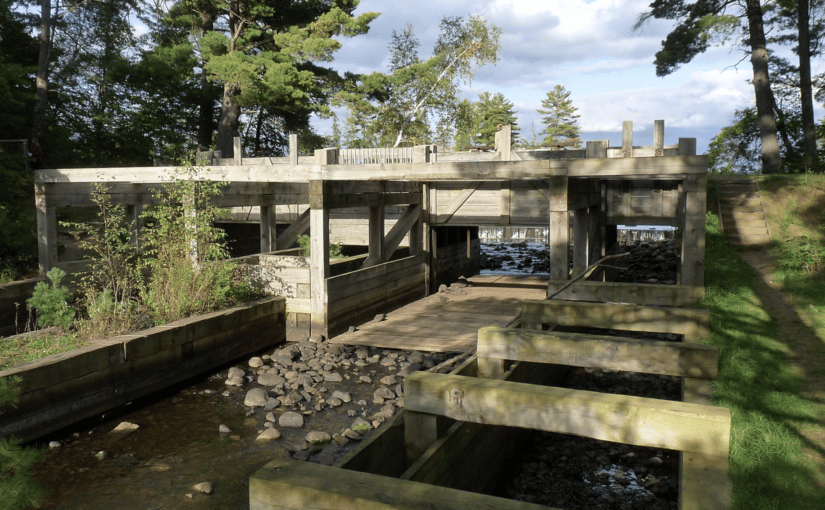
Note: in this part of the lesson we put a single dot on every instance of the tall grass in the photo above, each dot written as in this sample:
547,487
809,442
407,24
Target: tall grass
757,382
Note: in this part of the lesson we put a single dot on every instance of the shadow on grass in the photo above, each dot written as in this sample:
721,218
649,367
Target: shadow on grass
758,384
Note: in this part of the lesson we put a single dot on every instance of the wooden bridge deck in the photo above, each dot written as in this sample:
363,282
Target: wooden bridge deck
449,321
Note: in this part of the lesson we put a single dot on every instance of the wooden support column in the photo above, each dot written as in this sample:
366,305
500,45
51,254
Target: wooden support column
426,238
46,230
293,149
559,229
595,242
506,197
503,141
693,237
421,154
596,149
687,146
417,229
627,139
376,236
658,137
420,432
319,258
580,240
268,232
238,151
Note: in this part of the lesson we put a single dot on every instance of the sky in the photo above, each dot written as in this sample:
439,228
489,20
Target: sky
587,46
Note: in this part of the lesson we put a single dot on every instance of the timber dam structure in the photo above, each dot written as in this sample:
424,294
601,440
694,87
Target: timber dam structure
415,213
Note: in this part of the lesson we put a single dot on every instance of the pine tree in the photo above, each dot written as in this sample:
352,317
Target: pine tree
559,116
492,110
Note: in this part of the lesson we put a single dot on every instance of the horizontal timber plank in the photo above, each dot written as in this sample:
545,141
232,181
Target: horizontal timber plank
289,484
639,294
617,418
681,321
595,351
365,274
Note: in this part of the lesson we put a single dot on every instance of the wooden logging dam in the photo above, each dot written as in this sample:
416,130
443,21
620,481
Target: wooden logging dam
416,214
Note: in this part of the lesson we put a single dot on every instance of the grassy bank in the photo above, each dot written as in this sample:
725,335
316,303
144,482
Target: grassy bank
768,326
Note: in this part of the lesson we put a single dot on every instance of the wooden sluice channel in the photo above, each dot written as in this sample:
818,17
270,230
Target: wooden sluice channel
444,449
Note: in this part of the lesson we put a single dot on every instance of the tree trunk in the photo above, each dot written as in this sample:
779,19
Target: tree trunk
206,119
771,161
42,80
808,126
228,126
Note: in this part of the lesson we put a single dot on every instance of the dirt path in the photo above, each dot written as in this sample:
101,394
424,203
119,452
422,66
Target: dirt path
805,349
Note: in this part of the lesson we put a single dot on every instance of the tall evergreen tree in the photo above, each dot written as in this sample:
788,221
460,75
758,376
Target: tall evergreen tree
559,116
702,24
492,110
265,54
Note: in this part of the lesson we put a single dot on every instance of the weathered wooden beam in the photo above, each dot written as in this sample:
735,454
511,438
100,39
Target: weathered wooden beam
599,351
400,229
290,235
607,417
337,200
289,484
635,293
376,236
319,258
457,203
627,139
46,230
658,138
681,321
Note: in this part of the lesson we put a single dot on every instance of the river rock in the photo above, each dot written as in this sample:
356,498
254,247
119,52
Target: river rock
270,379
333,377
223,429
270,434
204,487
361,425
291,419
125,428
383,393
318,437
256,362
388,380
345,396
256,397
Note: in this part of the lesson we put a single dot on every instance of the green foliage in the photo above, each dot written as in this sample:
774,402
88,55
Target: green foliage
559,116
184,252
110,285
491,110
51,300
17,485
18,223
805,254
759,385
334,248
737,148
417,102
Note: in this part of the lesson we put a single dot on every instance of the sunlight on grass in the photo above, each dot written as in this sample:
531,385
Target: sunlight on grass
757,383
24,348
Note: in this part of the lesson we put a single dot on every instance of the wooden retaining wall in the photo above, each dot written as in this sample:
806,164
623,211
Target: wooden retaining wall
357,296
62,389
13,312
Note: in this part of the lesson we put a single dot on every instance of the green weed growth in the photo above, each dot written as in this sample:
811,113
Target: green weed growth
51,300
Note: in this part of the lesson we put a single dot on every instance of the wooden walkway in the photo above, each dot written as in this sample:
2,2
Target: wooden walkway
449,321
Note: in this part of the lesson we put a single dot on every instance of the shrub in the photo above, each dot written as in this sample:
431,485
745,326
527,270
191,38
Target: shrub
17,486
184,252
52,301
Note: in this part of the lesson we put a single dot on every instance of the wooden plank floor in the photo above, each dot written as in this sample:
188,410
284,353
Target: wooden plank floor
449,321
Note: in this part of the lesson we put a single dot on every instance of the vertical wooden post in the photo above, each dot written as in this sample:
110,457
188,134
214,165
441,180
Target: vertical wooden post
687,146
238,150
267,228
326,156
580,238
506,197
627,139
319,258
421,154
596,149
376,235
293,149
503,141
420,432
559,229
658,137
425,236
693,237
46,230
